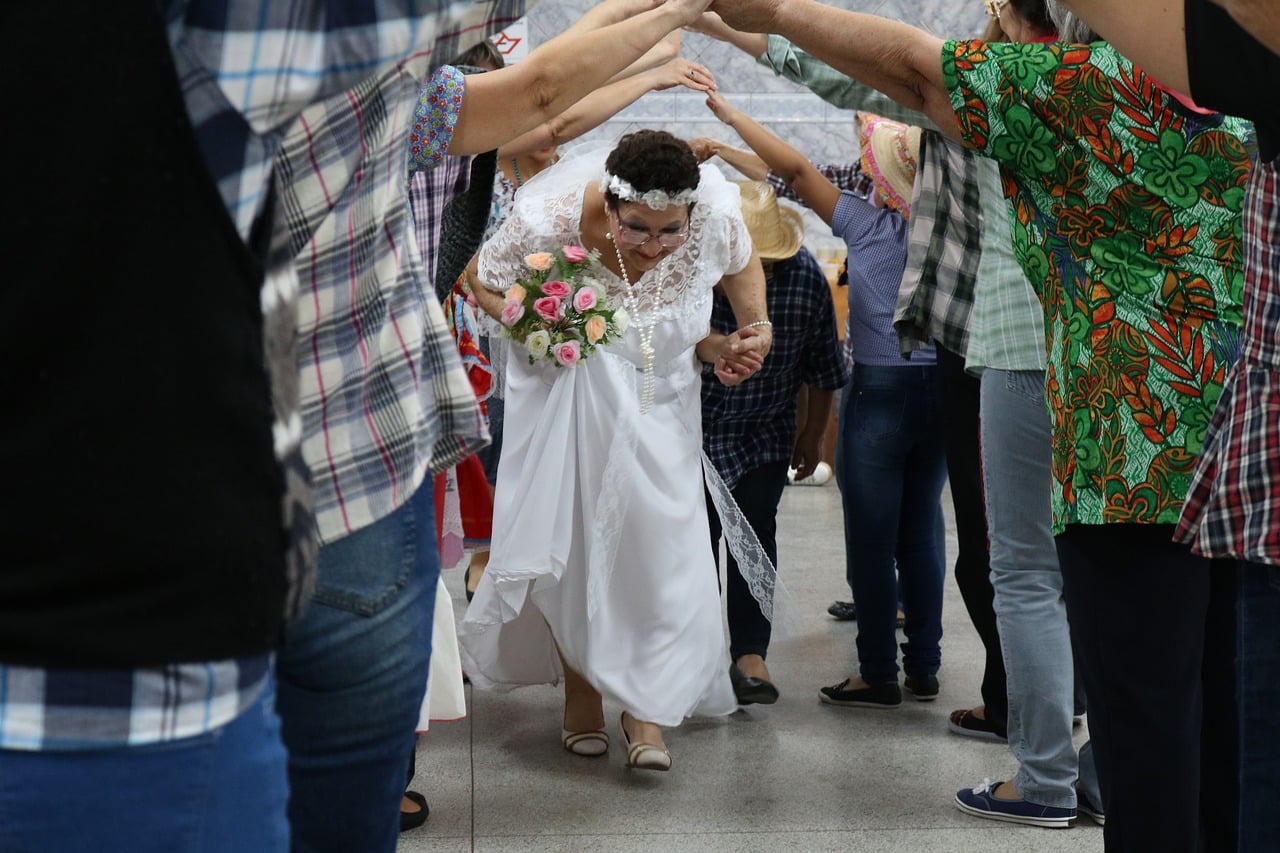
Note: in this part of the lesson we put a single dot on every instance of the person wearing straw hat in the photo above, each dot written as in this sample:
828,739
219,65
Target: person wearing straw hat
749,431
891,460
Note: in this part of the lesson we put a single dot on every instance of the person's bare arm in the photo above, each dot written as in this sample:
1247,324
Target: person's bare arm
745,291
746,162
900,60
810,185
503,104
1259,18
808,450
599,106
712,25
1151,33
664,51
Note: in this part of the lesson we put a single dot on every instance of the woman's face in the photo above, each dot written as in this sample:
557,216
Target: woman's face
544,155
645,236
1016,28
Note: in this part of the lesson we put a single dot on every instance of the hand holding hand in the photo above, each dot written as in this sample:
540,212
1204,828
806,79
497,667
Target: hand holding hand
741,357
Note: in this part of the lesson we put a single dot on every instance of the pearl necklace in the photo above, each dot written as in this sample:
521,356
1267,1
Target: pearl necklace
645,330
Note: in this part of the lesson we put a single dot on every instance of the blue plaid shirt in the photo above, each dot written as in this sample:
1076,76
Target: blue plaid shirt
247,70
754,423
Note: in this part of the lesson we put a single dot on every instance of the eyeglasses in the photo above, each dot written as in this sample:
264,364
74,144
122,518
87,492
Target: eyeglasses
994,7
634,239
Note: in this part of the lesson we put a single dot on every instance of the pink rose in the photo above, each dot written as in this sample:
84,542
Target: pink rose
567,353
585,299
511,313
548,308
557,288
575,254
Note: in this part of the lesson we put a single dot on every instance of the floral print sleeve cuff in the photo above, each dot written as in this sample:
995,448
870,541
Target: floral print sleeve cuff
439,104
1126,220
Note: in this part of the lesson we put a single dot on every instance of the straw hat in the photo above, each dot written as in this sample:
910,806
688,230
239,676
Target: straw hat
890,150
776,231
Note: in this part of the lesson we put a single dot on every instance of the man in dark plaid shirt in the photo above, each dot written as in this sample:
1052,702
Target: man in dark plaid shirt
749,431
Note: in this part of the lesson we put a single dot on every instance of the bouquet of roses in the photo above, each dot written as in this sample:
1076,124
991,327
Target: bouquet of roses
559,310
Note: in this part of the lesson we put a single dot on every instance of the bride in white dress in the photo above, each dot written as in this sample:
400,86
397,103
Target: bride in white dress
601,568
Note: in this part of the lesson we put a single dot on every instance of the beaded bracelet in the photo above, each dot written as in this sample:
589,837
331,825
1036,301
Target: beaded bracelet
768,323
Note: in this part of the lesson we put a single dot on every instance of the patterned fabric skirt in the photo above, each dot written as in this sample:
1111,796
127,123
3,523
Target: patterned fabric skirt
1233,505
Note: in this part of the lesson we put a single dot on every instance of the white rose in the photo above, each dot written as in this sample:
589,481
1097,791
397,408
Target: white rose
538,343
621,319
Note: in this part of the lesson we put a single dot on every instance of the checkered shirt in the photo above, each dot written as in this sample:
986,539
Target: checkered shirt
1233,505
384,395
943,248
247,69
754,423
429,191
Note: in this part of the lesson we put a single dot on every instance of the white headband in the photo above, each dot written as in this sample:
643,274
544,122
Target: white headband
656,199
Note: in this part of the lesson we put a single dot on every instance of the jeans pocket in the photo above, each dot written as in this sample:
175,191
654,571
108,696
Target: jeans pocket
877,412
365,572
1027,384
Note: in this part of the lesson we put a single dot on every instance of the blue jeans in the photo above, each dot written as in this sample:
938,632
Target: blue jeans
220,792
892,466
1258,668
1030,611
352,675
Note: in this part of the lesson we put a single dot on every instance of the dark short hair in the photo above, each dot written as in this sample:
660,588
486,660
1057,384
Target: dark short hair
1034,12
482,55
652,160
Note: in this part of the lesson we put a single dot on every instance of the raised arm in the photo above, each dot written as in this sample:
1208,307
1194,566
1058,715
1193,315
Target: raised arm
746,162
819,194
502,104
901,61
601,105
790,63
1152,33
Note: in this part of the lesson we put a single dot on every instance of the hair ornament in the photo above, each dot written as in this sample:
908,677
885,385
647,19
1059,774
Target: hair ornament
655,199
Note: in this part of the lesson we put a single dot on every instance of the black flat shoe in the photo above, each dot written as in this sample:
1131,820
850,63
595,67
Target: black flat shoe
413,820
750,690
872,696
466,584
843,611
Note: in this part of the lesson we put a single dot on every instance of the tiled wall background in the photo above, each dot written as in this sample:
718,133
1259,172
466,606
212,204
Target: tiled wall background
821,131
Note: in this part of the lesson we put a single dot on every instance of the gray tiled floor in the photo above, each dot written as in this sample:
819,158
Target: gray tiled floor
795,776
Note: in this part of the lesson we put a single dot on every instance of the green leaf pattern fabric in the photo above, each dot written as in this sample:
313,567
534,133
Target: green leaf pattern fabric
1125,210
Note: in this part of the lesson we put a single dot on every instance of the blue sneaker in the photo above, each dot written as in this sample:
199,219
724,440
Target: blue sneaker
982,802
1086,807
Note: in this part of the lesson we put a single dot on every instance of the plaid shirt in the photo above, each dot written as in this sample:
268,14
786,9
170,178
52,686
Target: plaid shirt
754,423
383,392
247,70
1233,505
943,248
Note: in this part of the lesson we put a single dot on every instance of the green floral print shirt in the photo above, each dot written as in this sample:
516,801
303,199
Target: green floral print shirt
1126,219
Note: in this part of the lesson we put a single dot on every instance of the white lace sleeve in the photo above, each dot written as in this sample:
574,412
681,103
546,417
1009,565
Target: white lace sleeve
502,256
724,208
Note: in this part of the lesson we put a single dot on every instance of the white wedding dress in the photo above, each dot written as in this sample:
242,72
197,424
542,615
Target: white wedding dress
600,537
